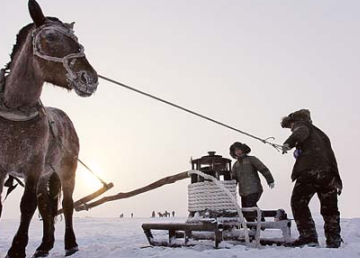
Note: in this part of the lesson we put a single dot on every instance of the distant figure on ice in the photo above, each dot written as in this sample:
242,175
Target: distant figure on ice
315,171
173,213
160,214
132,215
121,215
245,172
153,214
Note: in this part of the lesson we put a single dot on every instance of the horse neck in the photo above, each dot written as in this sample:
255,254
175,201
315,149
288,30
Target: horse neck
24,83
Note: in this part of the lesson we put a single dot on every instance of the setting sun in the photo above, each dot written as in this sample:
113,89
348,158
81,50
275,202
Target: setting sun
85,180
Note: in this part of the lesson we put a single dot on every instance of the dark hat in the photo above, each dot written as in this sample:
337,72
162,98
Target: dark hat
238,145
300,115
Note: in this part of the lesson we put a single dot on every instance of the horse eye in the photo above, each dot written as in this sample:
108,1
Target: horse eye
51,37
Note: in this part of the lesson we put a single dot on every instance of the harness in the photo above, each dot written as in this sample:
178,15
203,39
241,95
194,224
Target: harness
11,186
14,114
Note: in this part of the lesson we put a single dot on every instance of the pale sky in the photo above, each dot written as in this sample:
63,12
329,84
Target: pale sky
245,63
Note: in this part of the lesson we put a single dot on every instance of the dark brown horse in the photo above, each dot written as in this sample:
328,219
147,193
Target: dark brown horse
40,144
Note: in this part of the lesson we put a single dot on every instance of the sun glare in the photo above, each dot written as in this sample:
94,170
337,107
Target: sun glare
85,180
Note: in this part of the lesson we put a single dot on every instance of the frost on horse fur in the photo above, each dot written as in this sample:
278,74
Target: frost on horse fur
40,144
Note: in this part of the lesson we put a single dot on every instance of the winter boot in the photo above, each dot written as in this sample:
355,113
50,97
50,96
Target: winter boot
334,243
302,241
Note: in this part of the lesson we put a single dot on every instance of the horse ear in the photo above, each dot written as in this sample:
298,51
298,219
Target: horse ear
36,14
70,25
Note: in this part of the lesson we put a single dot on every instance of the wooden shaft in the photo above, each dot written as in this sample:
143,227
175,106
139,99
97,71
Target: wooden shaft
90,197
152,186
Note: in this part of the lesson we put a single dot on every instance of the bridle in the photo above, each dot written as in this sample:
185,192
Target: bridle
68,61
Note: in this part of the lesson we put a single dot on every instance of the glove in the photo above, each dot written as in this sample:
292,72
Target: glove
272,185
297,153
285,148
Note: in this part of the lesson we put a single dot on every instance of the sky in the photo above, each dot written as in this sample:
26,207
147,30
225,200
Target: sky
245,63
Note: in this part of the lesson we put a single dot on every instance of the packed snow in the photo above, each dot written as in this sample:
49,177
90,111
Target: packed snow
115,237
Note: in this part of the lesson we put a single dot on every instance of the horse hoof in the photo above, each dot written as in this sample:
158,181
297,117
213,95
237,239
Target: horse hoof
71,251
7,256
40,253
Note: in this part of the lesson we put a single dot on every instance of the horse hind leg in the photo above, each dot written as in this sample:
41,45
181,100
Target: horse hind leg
48,199
68,185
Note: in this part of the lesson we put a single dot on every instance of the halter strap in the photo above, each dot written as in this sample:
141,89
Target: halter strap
67,61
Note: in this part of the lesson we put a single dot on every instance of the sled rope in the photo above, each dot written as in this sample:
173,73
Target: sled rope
232,197
278,147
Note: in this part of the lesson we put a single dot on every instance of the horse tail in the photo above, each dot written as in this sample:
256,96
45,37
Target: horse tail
49,193
54,193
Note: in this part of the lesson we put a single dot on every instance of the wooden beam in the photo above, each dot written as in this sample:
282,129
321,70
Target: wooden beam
90,197
152,186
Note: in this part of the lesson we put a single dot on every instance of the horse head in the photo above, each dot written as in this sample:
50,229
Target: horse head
59,55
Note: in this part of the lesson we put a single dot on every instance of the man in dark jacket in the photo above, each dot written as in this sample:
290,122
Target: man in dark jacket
245,172
315,171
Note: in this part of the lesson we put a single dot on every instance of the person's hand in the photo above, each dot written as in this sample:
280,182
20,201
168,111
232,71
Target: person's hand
285,148
272,185
338,185
338,191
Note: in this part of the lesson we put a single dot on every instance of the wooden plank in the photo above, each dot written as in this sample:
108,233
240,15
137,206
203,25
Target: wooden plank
180,226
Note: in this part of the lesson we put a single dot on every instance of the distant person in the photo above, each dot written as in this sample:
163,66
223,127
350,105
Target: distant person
121,216
315,171
153,214
132,215
245,172
173,213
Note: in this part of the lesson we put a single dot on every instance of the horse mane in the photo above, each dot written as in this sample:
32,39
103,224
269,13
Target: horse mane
21,38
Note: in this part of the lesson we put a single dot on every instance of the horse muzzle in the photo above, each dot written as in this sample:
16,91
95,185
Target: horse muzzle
83,83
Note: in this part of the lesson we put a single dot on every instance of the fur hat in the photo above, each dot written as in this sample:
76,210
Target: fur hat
238,145
300,115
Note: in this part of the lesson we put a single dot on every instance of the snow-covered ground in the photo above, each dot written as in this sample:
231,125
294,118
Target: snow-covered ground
114,237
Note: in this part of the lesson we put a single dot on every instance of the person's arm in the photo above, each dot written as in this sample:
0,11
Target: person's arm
263,170
299,135
334,165
233,173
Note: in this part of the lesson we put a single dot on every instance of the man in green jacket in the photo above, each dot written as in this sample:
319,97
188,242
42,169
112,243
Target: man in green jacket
245,172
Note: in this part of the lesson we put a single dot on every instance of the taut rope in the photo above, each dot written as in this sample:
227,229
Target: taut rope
278,147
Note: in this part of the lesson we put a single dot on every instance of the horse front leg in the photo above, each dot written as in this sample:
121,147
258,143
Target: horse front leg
47,197
27,207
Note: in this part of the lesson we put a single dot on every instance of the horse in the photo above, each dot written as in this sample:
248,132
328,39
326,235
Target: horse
40,144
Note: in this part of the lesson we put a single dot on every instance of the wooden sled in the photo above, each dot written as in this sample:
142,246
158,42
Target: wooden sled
219,229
